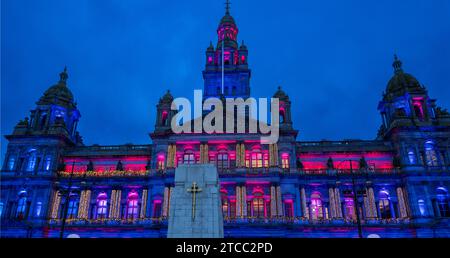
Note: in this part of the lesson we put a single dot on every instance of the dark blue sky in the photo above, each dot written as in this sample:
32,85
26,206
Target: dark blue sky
332,57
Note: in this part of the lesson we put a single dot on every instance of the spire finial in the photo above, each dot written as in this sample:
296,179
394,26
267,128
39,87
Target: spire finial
397,64
227,7
63,76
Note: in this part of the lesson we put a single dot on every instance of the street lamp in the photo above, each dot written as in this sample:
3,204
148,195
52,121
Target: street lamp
355,197
66,202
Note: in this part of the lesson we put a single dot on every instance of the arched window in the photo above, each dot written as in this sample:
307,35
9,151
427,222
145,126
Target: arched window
384,204
188,157
22,205
421,204
430,154
222,160
411,156
43,121
132,205
442,201
289,209
164,119
349,205
282,116
258,205
160,162
157,208
102,205
73,207
11,163
285,160
38,209
31,161
47,163
256,158
316,206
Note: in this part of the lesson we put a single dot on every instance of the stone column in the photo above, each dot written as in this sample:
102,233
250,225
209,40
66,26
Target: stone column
279,202
244,200
401,203
304,206
298,209
332,204
337,198
369,203
143,212
85,200
204,158
55,204
114,206
238,202
166,201
273,201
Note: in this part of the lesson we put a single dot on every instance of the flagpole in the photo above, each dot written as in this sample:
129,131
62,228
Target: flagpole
223,65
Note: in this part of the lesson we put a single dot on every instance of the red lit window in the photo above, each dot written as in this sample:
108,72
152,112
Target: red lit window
285,160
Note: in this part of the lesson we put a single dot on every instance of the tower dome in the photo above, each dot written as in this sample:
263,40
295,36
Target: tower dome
227,30
58,94
402,82
280,94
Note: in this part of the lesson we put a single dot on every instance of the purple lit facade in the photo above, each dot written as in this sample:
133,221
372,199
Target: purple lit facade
397,184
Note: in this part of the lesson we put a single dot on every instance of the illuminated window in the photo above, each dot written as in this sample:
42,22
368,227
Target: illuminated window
243,59
38,209
418,109
285,160
21,206
349,208
11,163
47,163
164,119
222,160
157,208
256,159
102,205
422,208
226,57
411,156
73,207
210,59
258,205
188,158
132,205
160,162
289,209
316,206
430,154
442,201
282,116
31,161
384,205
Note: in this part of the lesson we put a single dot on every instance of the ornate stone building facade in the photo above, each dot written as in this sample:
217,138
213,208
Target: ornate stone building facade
394,186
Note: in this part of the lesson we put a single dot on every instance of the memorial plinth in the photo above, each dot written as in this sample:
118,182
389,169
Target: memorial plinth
195,205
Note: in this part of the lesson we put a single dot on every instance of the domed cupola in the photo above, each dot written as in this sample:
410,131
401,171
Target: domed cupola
402,83
280,94
167,98
58,94
227,30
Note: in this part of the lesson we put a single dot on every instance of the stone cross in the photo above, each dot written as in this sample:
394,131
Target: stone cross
194,189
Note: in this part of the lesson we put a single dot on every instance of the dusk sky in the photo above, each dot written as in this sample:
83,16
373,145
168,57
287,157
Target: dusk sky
333,58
